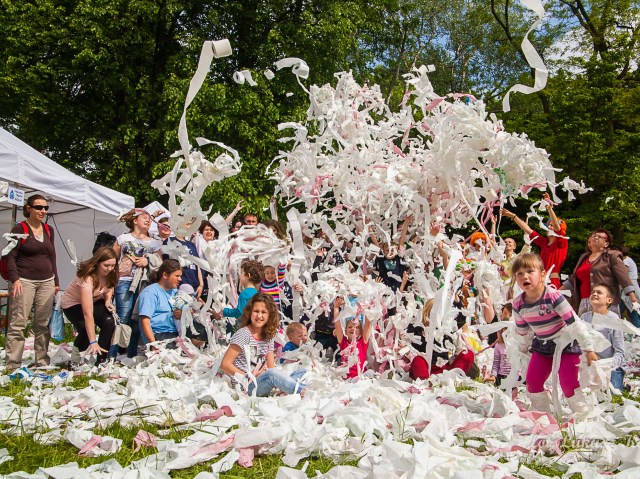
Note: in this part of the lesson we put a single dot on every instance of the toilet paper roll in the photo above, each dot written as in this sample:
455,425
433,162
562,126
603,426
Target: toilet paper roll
221,48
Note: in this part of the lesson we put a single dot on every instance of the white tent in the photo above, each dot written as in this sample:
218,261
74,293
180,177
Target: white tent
79,208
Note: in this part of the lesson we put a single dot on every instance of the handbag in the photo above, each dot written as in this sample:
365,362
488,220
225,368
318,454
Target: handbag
56,320
122,333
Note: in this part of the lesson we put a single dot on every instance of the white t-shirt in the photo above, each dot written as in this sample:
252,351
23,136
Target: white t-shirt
132,246
633,269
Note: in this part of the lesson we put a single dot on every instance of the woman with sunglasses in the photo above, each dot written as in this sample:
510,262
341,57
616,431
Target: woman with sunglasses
134,250
554,248
599,265
33,282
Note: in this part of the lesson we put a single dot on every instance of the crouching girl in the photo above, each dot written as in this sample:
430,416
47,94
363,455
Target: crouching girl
260,320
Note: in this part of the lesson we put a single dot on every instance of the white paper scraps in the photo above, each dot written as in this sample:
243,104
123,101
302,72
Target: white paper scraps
12,240
210,50
449,420
533,58
4,456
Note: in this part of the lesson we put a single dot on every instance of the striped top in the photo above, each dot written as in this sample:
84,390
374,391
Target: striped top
501,365
545,317
273,289
258,349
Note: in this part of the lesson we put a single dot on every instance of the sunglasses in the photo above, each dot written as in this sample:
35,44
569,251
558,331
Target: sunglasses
40,207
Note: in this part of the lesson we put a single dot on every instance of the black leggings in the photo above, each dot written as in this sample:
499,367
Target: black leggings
101,318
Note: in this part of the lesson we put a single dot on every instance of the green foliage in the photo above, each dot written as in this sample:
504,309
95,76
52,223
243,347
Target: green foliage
99,85
590,124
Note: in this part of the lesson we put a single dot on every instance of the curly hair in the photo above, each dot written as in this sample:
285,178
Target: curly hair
478,236
254,269
273,323
89,268
206,223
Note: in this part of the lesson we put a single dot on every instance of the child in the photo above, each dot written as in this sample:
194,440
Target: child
501,367
354,340
297,335
261,321
545,312
274,285
601,298
251,273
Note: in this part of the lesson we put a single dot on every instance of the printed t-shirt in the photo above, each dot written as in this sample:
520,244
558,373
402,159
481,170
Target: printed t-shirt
132,246
258,349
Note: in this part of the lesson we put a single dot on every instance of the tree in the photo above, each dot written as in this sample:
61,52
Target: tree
589,120
99,85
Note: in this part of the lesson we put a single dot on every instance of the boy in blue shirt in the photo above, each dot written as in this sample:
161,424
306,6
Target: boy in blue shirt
297,335
601,298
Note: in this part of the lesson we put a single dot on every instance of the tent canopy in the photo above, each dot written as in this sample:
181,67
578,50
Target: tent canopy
79,208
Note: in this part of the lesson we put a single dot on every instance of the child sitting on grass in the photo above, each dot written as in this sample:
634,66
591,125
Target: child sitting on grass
353,340
297,335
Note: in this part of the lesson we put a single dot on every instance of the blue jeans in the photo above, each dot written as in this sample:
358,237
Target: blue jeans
617,377
125,301
275,378
634,317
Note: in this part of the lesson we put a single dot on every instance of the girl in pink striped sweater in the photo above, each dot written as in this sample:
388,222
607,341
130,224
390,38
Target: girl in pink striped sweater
544,311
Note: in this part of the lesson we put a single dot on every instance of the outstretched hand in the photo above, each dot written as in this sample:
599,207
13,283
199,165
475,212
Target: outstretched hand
95,349
507,213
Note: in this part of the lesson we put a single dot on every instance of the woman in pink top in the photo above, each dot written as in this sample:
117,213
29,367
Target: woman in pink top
354,340
87,302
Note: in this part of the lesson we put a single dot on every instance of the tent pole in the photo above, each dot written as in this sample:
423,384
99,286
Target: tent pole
14,216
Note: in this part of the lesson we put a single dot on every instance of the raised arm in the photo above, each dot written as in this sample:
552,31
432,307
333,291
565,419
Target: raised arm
235,211
366,330
403,233
338,331
521,224
553,219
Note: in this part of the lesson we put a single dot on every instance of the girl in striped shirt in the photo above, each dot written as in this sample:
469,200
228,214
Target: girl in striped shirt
544,311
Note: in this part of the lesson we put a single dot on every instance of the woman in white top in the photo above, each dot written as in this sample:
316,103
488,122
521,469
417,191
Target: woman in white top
133,250
87,302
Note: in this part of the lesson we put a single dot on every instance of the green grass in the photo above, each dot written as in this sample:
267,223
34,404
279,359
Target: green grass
29,455
16,389
547,468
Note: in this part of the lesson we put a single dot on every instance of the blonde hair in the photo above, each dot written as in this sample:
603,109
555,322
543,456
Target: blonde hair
527,260
426,311
294,327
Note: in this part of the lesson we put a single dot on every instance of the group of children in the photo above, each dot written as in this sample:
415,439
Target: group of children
540,312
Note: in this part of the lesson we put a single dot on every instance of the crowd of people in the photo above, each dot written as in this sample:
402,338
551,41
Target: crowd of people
141,282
